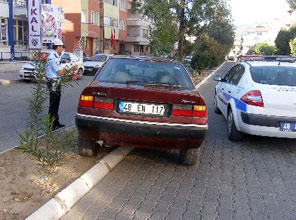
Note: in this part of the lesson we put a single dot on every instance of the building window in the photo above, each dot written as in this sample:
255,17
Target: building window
84,16
3,32
145,33
112,2
107,44
136,48
93,18
107,21
122,25
122,5
20,32
20,3
97,19
114,22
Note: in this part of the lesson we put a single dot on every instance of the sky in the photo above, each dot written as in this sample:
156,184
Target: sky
251,12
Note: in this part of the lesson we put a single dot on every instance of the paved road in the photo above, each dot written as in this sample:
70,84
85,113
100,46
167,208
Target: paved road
252,179
14,105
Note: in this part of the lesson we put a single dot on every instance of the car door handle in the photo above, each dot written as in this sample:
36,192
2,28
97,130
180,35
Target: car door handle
222,89
229,91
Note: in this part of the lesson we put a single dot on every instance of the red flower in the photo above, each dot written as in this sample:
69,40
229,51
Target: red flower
75,77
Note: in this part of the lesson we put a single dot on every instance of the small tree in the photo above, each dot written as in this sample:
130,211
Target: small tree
292,44
208,53
264,49
50,150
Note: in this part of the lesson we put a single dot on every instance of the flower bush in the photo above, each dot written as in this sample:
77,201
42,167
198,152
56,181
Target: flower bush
49,152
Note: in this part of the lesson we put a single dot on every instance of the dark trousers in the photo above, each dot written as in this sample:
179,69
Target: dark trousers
54,103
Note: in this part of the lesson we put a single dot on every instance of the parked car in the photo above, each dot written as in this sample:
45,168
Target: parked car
142,102
258,98
95,62
188,59
67,60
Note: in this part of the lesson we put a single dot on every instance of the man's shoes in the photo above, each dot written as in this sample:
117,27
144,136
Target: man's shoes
56,127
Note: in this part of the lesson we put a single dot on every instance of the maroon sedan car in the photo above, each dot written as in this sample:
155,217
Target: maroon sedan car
142,102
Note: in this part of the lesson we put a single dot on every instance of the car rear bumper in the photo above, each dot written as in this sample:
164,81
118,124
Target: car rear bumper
90,70
140,133
264,125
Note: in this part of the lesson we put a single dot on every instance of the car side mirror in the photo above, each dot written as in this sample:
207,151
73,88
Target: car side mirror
218,78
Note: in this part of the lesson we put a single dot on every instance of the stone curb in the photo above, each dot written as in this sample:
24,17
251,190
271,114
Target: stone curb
5,82
64,200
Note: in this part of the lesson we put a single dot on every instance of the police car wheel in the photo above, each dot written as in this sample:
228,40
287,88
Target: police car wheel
216,108
233,133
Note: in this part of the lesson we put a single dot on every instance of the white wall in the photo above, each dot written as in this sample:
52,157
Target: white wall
4,10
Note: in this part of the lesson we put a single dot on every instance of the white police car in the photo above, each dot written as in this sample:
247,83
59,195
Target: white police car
258,98
27,71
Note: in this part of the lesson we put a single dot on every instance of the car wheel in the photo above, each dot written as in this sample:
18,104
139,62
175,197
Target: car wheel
80,73
216,108
233,133
87,148
188,156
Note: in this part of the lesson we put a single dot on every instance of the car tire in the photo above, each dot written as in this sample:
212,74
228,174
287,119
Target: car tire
188,156
80,73
216,108
233,133
87,148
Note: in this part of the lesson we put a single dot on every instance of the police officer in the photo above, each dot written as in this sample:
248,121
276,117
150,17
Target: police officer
53,75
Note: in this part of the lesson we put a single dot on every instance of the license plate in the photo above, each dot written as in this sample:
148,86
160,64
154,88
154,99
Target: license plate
287,126
141,108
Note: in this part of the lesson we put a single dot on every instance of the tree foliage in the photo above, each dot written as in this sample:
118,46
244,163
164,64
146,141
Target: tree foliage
264,49
208,53
292,45
292,4
188,18
283,38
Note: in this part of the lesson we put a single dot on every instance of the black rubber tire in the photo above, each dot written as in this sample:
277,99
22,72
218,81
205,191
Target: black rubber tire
189,156
87,148
233,133
80,73
216,109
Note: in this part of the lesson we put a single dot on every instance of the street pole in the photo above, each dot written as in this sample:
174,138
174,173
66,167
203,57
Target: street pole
10,31
48,44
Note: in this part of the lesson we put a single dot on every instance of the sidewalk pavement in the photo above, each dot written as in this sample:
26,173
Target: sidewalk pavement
9,77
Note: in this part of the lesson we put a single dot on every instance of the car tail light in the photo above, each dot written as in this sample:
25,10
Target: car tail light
253,97
190,110
104,103
199,111
86,101
182,110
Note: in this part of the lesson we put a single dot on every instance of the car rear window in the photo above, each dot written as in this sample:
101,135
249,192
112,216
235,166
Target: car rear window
144,71
274,75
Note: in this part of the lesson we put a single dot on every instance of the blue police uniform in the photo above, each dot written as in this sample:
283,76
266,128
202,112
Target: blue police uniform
53,65
53,83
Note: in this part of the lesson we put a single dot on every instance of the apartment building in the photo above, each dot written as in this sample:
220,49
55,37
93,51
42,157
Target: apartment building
20,23
138,25
81,27
88,26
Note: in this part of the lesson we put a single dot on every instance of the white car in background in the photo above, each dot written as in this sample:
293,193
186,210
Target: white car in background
258,98
67,60
93,64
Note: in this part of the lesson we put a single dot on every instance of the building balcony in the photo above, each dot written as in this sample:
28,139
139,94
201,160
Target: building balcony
137,39
137,22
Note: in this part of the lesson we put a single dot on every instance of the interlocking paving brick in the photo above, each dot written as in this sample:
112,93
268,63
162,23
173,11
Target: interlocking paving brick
252,179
